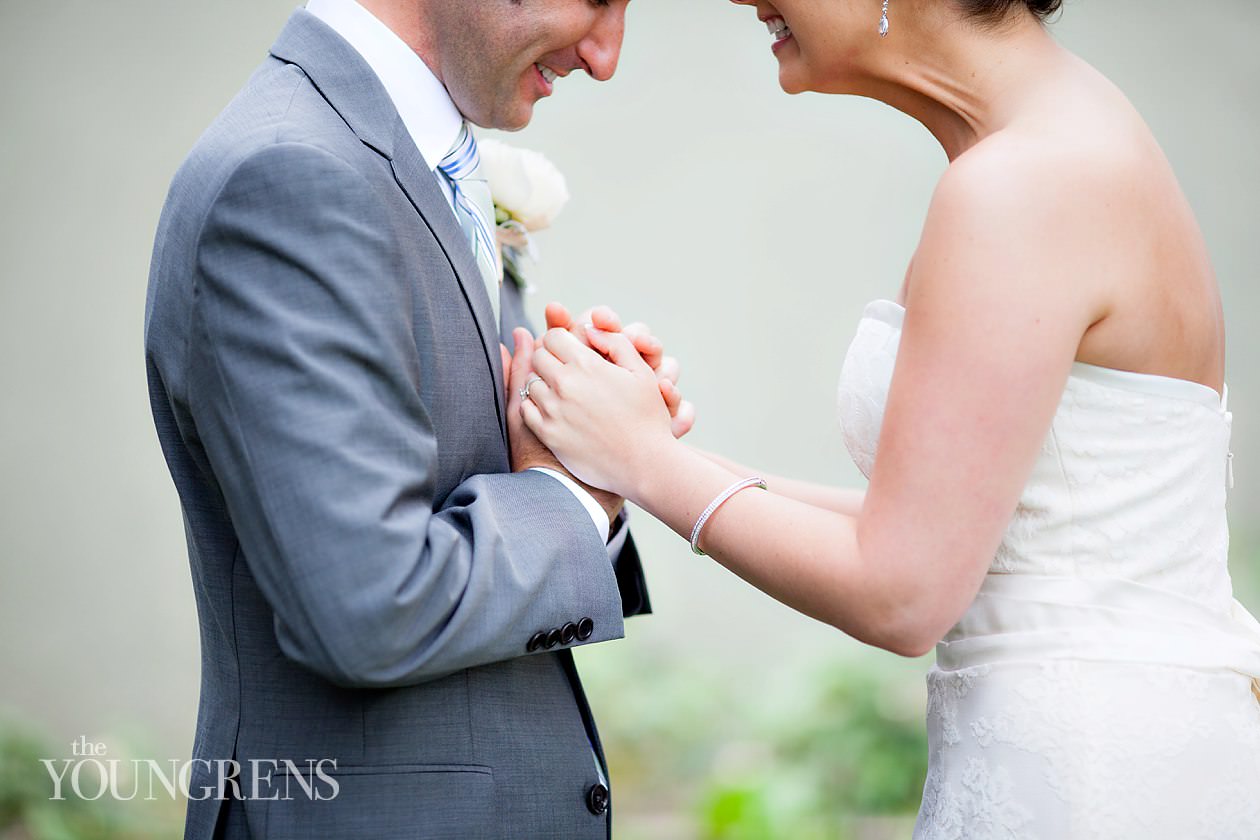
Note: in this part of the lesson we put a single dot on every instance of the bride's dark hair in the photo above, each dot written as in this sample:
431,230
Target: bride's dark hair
994,11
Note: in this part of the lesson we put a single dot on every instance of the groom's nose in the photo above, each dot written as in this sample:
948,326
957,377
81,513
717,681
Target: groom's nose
600,49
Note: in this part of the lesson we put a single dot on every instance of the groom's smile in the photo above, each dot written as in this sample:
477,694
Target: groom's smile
497,59
549,77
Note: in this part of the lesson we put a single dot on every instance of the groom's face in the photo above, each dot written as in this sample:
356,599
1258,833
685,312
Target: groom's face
499,57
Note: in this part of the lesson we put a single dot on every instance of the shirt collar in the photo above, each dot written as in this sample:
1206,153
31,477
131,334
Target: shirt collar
427,111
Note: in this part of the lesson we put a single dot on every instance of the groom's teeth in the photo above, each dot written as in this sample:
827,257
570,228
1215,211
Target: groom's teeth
778,28
548,74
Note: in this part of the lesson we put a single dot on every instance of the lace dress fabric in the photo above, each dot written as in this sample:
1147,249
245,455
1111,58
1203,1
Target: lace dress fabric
1100,686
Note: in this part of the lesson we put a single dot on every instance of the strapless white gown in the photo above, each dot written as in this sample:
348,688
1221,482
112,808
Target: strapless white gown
1100,686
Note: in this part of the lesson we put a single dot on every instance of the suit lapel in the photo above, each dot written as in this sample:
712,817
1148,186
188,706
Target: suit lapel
346,81
417,181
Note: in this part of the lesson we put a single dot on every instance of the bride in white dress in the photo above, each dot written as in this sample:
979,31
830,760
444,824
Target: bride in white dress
1043,420
1099,684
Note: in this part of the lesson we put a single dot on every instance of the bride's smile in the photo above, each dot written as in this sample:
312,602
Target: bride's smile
780,31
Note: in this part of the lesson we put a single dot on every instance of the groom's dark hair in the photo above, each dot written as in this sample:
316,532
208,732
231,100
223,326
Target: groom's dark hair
996,11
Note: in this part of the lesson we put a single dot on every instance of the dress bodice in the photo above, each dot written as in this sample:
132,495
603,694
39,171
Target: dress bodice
1130,482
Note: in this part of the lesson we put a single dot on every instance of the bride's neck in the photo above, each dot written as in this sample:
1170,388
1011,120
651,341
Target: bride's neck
962,81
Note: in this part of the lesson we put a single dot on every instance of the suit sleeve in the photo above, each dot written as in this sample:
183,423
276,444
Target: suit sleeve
622,551
304,390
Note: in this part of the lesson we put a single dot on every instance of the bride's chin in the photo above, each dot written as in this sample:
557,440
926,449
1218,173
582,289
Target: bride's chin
792,89
792,82
794,76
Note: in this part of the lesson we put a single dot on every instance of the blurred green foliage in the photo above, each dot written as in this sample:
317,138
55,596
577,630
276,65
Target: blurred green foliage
1244,565
836,751
27,811
850,764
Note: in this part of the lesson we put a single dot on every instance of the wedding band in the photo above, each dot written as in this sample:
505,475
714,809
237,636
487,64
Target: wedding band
528,383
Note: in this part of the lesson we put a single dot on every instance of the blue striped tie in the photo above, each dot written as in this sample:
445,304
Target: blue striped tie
474,209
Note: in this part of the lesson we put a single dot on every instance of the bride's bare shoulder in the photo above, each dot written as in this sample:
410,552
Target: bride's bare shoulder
1064,182
1029,213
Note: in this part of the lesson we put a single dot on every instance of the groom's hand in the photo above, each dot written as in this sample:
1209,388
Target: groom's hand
682,413
527,450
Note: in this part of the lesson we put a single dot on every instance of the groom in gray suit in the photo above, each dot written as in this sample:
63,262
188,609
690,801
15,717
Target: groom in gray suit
387,592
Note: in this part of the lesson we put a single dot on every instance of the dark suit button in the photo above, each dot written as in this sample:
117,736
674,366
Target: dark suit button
597,800
535,642
553,638
568,633
585,629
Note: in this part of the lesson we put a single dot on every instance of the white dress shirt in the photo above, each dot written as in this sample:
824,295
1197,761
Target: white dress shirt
431,119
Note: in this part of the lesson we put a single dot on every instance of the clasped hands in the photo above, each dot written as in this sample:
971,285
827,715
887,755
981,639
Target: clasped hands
598,392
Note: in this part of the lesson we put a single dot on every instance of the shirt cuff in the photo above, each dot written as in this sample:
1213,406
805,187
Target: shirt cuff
596,511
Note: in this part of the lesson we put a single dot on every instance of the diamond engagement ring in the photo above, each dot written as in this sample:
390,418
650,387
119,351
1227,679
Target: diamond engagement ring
528,383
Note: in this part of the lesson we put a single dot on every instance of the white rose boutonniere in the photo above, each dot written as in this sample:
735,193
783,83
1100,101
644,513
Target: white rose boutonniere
529,192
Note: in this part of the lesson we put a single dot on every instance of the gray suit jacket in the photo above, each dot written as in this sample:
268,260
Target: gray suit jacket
374,586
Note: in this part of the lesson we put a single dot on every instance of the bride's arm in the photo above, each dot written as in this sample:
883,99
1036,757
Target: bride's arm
1002,291
844,500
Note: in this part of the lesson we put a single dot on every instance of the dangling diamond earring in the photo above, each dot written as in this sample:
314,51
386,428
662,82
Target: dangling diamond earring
883,21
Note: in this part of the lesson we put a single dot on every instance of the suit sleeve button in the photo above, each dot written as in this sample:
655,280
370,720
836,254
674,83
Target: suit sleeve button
585,629
568,633
536,641
597,800
553,638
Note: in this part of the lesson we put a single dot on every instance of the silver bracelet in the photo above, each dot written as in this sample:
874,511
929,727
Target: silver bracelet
755,481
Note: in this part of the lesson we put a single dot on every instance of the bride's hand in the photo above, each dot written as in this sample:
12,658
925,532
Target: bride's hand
525,448
602,417
682,413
